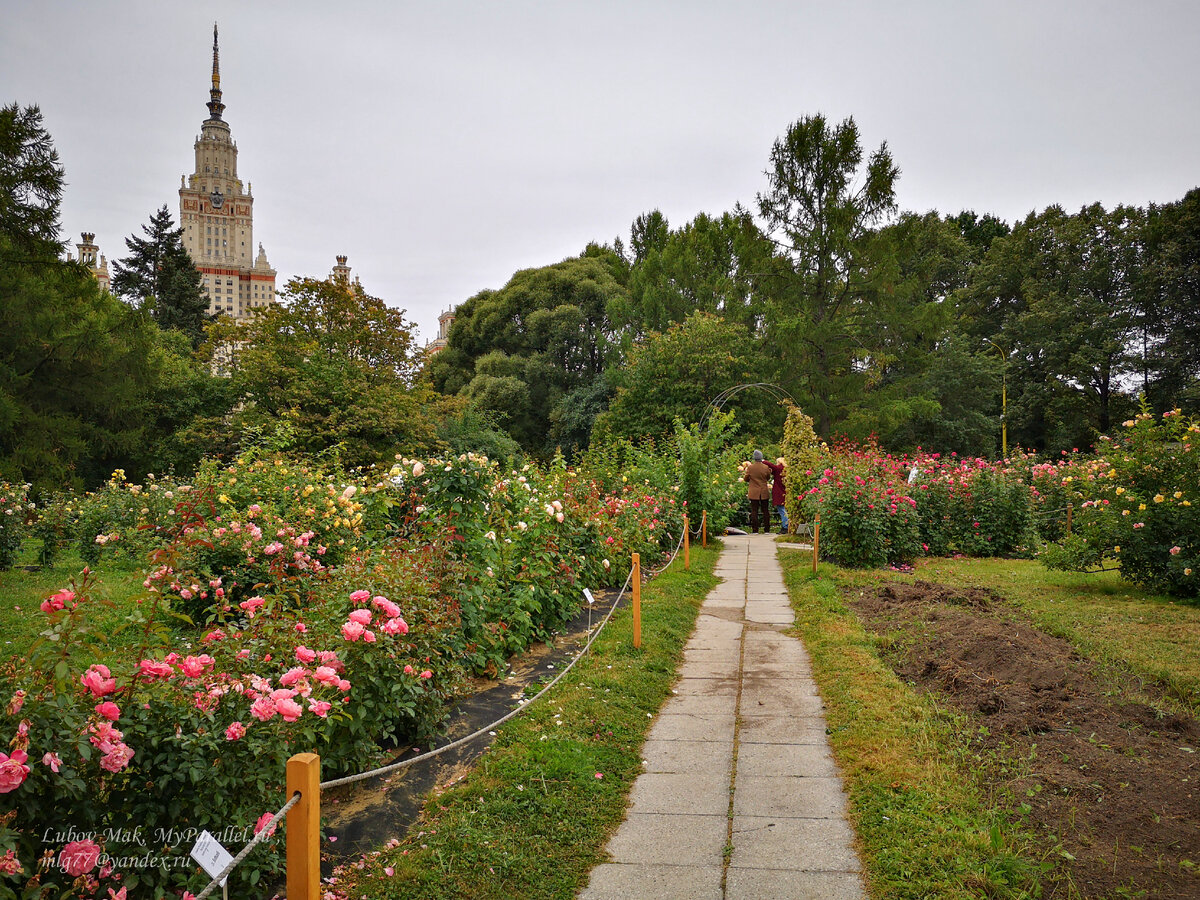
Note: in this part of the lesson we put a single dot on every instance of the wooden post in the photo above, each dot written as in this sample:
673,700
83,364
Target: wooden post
637,600
816,541
304,828
687,545
1069,507
704,529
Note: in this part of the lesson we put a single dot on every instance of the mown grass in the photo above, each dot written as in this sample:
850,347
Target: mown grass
924,824
22,591
533,817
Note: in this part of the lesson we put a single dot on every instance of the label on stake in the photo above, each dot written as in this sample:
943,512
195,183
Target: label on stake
213,858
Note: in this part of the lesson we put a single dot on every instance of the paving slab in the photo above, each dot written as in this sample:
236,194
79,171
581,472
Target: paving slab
795,797
671,839
785,759
617,881
809,845
715,757
692,728
697,793
781,884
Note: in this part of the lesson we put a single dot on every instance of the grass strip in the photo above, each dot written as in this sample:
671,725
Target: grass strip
532,818
923,824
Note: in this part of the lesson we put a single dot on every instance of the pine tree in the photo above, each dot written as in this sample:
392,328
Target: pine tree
159,272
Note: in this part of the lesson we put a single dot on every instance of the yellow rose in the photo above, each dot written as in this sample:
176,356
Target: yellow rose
1187,571
1116,549
1120,491
1178,494
1159,498
1141,507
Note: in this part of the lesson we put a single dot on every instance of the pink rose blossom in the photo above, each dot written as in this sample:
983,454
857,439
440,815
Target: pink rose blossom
251,605
326,675
98,680
17,701
263,709
289,709
215,635
79,857
1175,551
343,685
352,631
360,596
426,674
408,670
53,761
194,666
319,707
12,770
386,606
362,616
304,655
292,675
272,548
369,636
117,759
108,710
394,626
263,821
301,627
235,732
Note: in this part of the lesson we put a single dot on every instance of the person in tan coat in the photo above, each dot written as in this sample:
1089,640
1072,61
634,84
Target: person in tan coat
758,480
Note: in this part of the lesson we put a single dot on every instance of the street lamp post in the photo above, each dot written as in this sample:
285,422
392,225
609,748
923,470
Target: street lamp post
1003,399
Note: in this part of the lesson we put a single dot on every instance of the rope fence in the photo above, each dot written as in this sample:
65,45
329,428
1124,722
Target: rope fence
523,704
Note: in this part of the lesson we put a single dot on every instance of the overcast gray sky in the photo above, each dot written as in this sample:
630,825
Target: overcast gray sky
445,145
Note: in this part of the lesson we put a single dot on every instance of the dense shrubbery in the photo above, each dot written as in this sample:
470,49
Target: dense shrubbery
1139,505
253,644
14,509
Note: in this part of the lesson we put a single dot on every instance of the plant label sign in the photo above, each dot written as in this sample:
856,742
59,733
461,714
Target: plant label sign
588,595
212,857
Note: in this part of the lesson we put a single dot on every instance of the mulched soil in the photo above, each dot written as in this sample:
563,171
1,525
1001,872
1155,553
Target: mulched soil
1112,781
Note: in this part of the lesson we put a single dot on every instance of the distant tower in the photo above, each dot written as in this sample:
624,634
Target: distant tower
341,272
88,253
445,320
217,217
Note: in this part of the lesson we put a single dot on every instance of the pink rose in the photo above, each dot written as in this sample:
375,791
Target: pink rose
369,636
117,759
291,676
289,709
79,857
343,685
235,732
263,708
1175,551
408,670
194,666
319,707
304,655
426,674
386,606
272,548
394,626
17,701
251,605
326,675
362,616
301,627
263,821
352,631
98,680
360,596
108,710
12,770
53,761
215,635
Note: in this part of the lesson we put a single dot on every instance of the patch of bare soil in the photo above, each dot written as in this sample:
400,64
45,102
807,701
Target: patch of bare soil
1109,779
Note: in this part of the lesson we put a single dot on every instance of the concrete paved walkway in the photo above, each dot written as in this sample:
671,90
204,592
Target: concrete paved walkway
740,799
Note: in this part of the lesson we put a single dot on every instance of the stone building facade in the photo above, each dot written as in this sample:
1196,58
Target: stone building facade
216,213
93,260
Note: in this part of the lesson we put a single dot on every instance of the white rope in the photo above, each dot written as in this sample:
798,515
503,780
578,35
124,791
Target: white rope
262,835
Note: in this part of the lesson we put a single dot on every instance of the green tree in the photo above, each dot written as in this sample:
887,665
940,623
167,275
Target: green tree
708,265
328,366
1169,304
31,179
159,273
523,353
76,364
674,375
1060,293
818,209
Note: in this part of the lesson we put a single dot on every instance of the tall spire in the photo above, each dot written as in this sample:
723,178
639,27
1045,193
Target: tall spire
215,106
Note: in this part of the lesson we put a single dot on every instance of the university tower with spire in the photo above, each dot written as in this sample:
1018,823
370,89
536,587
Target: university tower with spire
216,213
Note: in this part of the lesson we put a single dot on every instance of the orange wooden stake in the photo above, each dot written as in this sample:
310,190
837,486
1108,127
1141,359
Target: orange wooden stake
704,529
637,600
304,828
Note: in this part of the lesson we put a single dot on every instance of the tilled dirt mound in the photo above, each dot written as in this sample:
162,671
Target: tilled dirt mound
1112,781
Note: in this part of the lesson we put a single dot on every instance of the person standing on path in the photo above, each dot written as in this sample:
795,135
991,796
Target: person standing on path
758,476
779,494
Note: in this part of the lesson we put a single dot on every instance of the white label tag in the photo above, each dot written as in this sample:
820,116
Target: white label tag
213,858
588,595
